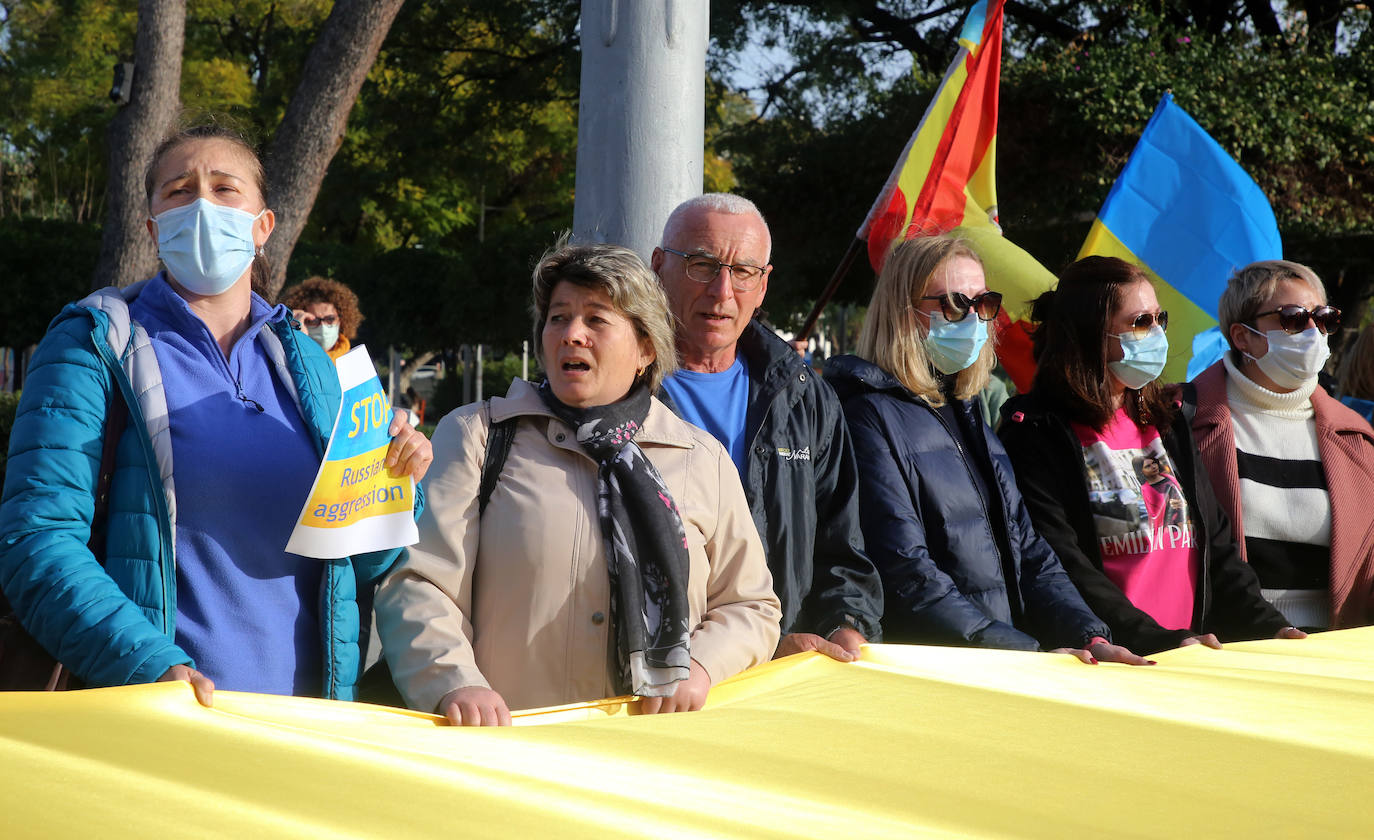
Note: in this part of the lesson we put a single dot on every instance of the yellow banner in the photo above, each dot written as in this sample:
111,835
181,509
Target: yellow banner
1262,739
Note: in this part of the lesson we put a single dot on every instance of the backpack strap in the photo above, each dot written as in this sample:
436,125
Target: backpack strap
500,436
116,418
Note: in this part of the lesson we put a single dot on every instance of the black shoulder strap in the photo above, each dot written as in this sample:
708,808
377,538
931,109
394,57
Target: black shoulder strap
499,438
116,418
1188,398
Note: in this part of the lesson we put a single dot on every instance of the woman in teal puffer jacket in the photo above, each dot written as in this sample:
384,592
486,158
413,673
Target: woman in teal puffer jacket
229,413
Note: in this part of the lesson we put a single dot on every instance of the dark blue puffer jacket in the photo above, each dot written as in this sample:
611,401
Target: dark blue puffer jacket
930,529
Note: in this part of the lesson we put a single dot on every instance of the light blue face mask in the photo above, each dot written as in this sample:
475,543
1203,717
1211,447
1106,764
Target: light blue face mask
206,246
953,346
1143,359
325,335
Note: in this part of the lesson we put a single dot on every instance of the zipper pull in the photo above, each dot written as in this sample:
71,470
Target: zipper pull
247,400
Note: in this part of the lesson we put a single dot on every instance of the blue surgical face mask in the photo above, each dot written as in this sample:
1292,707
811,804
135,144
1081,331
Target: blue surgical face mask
206,246
1143,359
953,346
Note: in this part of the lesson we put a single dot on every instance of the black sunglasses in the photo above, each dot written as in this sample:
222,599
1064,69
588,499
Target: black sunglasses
1294,318
1140,327
956,306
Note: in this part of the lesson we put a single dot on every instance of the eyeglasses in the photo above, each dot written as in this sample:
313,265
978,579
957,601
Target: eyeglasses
1140,327
1294,318
327,320
956,306
704,269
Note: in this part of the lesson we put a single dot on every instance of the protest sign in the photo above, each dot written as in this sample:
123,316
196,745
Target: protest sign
356,505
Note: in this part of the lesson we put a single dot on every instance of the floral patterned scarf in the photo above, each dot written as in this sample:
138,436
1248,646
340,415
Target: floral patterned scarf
646,547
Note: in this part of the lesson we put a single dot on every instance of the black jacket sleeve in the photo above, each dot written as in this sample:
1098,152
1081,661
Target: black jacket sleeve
1055,610
919,596
845,587
1048,473
1236,609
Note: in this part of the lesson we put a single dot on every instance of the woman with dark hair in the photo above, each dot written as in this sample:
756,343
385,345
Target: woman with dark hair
615,555
229,410
941,516
1165,573
328,312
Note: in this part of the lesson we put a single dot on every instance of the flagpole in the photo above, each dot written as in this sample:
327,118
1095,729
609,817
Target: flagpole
856,246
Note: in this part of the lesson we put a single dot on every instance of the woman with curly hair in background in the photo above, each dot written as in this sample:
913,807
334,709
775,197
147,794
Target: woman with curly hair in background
328,312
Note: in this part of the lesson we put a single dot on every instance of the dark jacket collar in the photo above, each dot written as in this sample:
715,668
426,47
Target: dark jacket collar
852,376
766,355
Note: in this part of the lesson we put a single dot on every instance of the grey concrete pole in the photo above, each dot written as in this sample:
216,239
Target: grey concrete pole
641,120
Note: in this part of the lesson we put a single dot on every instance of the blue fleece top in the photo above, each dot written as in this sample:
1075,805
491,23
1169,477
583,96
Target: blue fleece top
716,402
243,463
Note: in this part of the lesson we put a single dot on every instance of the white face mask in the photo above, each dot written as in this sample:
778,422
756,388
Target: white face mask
1292,360
325,335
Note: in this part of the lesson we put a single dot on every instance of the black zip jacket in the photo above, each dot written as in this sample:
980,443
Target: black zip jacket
802,486
960,564
1048,460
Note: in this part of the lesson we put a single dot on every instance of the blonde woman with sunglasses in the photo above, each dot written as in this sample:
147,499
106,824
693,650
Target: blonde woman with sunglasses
940,513
1289,462
1150,549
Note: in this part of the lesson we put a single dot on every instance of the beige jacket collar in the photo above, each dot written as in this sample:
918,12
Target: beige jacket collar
662,427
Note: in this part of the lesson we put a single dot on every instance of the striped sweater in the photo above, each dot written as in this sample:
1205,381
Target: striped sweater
1345,445
1284,496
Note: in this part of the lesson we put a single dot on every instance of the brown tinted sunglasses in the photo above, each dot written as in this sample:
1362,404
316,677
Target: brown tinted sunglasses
956,306
1294,318
1140,327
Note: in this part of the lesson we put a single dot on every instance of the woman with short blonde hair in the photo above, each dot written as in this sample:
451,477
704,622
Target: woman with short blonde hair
1287,460
633,289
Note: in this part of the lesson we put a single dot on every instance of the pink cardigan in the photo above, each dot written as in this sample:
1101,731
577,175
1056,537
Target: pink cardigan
1346,445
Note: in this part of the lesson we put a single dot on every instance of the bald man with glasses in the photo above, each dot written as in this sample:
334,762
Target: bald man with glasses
782,426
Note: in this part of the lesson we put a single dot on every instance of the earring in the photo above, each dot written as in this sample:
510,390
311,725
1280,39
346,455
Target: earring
639,372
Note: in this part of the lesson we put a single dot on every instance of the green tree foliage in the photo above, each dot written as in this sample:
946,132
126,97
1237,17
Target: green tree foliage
1288,89
469,125
55,75
1300,120
44,265
459,161
463,142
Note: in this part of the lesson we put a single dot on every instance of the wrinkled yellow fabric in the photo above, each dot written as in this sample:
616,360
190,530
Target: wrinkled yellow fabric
1272,738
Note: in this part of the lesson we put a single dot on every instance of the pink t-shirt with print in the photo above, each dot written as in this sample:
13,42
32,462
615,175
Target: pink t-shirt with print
1144,531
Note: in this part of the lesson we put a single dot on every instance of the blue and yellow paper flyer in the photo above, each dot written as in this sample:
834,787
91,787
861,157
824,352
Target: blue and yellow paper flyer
356,505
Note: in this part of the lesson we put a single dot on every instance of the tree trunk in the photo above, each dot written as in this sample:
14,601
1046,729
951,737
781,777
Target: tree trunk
313,127
127,253
403,379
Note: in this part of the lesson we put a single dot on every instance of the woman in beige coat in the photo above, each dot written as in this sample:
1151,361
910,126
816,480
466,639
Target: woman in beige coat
616,554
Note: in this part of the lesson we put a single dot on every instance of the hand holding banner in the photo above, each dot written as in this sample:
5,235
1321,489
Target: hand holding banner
355,505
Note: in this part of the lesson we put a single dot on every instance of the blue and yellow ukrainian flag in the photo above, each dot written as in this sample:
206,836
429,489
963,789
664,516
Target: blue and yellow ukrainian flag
1187,213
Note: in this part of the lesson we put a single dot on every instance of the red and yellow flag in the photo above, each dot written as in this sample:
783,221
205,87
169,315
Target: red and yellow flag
945,182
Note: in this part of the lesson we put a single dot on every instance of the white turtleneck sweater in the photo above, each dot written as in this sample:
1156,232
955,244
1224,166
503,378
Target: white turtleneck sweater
1284,501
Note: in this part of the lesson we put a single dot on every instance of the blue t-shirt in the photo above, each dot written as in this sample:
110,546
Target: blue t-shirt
716,402
243,462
